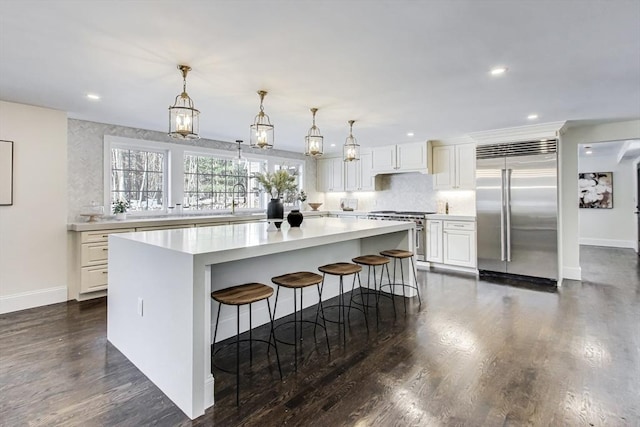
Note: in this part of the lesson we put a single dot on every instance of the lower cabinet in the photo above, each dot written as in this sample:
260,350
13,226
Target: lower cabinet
452,242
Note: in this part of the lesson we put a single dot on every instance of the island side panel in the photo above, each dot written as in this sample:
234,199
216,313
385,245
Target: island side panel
159,339
263,268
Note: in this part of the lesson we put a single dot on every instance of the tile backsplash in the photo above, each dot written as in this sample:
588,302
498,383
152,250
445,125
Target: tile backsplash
407,192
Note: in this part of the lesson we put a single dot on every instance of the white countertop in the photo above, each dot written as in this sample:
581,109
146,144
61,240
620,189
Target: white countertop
169,220
452,217
243,237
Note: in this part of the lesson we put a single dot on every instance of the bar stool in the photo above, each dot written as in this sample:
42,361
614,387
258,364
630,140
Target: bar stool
398,255
295,281
372,261
242,295
342,269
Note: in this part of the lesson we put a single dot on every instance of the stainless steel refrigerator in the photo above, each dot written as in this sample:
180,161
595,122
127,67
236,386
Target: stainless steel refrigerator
517,209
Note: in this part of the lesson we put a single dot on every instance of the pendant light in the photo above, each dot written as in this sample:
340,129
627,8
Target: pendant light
313,140
241,161
261,129
184,119
351,149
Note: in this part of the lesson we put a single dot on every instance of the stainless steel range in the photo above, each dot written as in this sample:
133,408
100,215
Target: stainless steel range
420,218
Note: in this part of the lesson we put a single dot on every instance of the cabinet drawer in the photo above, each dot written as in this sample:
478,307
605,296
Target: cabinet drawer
101,235
94,254
93,278
459,225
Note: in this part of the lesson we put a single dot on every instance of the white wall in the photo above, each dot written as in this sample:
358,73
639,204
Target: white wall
33,236
610,227
569,140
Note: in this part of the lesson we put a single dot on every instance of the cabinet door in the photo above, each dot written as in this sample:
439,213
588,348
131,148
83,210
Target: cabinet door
384,158
465,166
412,156
459,248
324,175
434,241
367,178
351,176
337,174
443,167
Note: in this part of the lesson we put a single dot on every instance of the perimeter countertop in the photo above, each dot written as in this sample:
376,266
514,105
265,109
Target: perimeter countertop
452,217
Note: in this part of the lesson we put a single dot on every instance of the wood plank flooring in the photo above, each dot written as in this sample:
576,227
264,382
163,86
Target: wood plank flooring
475,354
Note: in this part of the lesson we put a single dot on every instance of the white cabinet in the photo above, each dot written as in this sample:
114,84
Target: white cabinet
454,166
358,175
330,175
410,157
452,242
434,241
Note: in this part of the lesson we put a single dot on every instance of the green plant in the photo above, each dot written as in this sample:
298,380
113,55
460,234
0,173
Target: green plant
302,196
120,206
277,183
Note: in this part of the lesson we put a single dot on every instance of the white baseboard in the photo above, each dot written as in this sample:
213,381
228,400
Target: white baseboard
24,300
469,270
610,243
572,273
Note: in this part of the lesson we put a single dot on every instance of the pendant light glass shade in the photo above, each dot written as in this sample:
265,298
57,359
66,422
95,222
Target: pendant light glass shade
351,149
313,141
241,161
261,129
184,119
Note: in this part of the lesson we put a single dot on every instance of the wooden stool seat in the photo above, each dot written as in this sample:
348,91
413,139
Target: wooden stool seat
340,269
300,279
397,253
371,260
243,294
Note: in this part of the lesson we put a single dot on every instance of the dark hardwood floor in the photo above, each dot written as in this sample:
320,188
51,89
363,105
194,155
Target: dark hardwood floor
475,354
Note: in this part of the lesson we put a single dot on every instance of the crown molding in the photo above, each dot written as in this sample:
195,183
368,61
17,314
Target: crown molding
521,133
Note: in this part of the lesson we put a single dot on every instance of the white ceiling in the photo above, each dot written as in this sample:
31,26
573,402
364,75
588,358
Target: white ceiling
393,66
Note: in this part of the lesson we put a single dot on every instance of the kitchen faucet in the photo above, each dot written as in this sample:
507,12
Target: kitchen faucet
233,196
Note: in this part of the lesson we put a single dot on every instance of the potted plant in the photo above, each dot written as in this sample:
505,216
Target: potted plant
277,184
120,209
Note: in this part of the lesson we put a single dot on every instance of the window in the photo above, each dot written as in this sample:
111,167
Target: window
211,182
138,176
295,170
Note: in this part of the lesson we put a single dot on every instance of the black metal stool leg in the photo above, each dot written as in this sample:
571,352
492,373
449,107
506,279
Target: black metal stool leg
250,338
275,344
273,318
215,333
393,295
366,320
295,332
238,356
415,277
324,322
404,295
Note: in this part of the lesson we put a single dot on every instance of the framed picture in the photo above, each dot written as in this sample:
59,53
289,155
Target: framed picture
6,173
596,190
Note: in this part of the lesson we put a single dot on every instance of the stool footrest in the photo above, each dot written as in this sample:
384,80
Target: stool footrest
346,308
312,322
233,343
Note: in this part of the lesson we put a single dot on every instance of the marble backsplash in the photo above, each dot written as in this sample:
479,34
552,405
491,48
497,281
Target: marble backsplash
406,192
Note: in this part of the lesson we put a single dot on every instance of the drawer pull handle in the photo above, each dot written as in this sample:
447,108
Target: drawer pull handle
105,272
105,235
105,249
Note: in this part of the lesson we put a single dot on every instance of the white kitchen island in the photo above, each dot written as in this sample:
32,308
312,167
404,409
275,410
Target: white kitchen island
160,313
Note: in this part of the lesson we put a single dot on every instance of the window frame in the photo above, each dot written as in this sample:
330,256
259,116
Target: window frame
173,176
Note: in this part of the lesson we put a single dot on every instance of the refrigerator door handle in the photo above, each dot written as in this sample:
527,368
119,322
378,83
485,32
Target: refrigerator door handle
508,215
502,207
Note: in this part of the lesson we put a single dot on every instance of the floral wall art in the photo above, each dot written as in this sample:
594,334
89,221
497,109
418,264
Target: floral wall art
596,190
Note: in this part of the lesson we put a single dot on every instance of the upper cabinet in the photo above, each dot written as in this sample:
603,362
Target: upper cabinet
454,167
330,175
358,175
410,157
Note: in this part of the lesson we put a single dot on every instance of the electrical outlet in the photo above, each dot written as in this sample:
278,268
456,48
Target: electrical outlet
140,306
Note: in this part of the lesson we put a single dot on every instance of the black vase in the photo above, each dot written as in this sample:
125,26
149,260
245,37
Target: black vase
275,212
295,218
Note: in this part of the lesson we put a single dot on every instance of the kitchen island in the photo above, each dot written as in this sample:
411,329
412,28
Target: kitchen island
160,313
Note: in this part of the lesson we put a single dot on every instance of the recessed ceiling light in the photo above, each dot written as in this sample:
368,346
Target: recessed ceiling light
498,71
93,96
588,152
543,140
409,133
532,116
333,145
